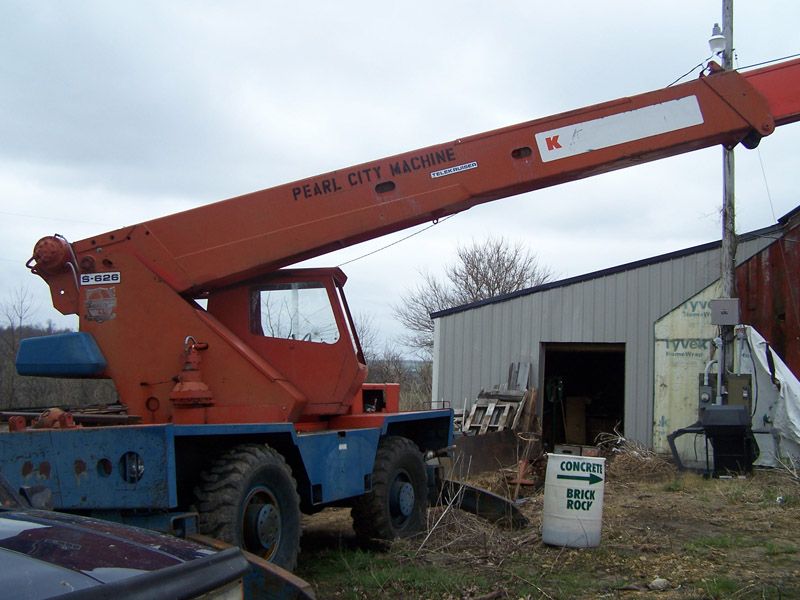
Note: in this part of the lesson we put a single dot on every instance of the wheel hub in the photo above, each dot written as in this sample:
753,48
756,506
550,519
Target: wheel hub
262,524
402,498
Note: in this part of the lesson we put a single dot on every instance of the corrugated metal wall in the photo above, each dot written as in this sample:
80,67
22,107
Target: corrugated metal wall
474,347
769,287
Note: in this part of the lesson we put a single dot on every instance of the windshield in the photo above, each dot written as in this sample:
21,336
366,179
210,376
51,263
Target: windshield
295,311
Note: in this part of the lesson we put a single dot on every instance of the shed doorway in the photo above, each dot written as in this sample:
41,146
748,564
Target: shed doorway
584,392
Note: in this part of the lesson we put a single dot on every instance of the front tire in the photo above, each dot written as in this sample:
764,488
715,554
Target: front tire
397,505
248,497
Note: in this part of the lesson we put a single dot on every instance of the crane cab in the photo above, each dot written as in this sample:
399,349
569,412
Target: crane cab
298,321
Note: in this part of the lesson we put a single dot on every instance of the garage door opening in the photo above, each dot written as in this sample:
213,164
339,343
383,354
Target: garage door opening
584,392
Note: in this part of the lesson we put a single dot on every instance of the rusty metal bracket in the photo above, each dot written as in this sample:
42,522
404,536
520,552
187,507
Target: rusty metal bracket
745,101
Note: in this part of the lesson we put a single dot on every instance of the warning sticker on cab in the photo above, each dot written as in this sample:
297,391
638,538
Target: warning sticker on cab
100,304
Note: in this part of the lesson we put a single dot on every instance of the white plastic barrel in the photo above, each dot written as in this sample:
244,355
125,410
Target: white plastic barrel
573,501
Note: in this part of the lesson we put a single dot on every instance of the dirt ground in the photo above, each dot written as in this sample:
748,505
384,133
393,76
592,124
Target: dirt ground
665,535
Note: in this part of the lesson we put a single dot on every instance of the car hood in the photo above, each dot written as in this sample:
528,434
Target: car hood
100,551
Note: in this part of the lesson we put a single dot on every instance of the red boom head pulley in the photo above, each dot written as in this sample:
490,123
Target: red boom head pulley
50,255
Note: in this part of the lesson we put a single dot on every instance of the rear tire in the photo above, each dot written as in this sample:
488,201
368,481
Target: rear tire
397,505
248,497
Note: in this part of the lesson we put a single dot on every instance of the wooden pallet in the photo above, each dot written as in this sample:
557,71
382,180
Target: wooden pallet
507,406
496,411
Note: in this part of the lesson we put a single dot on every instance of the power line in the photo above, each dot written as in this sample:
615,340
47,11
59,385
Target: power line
754,65
766,183
435,222
59,219
769,62
689,72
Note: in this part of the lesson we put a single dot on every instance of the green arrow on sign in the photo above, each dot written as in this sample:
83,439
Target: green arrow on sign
591,478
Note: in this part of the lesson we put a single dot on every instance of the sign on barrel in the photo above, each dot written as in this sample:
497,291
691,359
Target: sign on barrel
573,501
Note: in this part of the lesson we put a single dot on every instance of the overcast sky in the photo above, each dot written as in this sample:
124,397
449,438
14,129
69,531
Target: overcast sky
112,113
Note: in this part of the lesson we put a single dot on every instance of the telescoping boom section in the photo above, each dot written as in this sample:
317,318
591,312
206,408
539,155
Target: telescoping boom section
274,345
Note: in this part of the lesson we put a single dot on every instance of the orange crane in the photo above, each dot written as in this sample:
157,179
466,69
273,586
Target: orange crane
254,406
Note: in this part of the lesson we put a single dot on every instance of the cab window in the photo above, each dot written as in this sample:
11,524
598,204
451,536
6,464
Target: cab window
294,311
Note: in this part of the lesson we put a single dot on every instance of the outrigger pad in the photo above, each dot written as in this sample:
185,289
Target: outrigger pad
74,354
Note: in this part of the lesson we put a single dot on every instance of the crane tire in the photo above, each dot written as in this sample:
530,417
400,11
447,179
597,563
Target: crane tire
397,505
248,497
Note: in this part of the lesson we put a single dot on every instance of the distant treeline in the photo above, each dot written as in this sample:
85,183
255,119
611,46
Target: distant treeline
414,377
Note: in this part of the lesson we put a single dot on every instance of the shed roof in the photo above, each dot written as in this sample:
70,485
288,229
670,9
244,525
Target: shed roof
770,231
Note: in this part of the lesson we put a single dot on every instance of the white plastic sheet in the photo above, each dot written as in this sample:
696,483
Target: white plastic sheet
776,400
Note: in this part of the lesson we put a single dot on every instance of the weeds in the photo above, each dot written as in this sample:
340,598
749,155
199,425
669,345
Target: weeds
676,485
790,468
720,588
710,539
776,548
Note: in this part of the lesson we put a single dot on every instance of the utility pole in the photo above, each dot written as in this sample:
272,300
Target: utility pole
728,250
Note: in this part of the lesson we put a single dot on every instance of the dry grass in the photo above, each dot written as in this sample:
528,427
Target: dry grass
709,539
790,468
634,463
454,536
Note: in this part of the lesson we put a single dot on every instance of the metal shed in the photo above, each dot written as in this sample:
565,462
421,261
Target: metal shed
599,325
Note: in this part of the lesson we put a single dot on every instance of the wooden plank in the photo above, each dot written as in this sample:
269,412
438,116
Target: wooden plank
487,417
518,413
513,374
468,423
523,373
499,418
528,420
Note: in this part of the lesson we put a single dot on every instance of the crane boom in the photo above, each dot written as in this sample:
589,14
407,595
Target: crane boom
133,287
779,86
232,240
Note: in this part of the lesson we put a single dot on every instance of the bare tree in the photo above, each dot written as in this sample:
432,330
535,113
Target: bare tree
389,365
18,308
415,308
414,376
482,270
16,311
367,332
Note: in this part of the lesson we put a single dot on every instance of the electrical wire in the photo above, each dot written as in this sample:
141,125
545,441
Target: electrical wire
736,58
61,219
766,183
435,222
690,71
45,218
769,62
